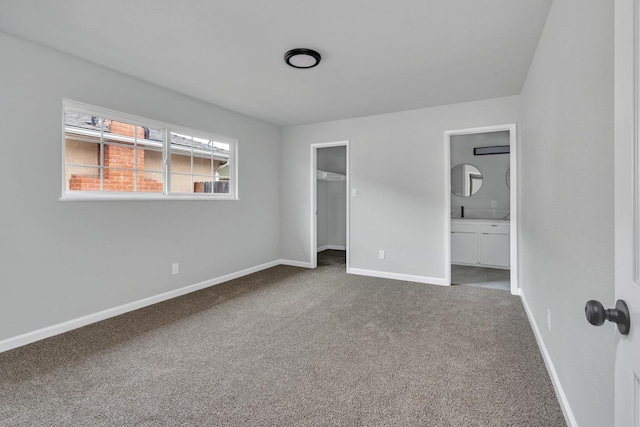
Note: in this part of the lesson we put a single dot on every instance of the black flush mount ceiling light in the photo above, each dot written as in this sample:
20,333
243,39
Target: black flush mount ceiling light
302,58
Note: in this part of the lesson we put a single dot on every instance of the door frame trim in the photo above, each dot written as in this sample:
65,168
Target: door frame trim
313,249
513,195
627,203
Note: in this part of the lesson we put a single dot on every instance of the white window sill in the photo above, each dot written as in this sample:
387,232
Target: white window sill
137,197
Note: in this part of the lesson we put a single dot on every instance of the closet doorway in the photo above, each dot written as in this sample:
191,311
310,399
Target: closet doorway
329,200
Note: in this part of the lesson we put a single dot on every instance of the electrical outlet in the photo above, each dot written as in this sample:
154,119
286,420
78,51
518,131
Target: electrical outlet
175,268
548,319
381,254
494,203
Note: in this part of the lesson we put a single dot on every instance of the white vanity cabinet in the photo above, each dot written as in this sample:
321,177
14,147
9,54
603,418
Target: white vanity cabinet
482,243
464,243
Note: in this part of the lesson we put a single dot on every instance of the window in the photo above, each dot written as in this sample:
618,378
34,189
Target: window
114,155
198,165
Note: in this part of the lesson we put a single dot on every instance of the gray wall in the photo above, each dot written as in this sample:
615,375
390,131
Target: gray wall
337,214
566,188
332,159
332,213
322,205
332,204
493,168
63,260
397,166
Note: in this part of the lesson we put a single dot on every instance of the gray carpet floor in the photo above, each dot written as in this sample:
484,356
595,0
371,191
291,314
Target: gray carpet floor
292,347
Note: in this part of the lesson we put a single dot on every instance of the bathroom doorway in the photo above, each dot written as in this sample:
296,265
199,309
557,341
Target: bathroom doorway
481,207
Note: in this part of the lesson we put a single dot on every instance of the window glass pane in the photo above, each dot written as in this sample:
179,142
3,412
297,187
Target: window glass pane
180,163
150,138
202,164
221,187
181,183
201,186
118,131
206,160
82,178
82,147
149,159
221,149
81,124
221,152
79,152
149,182
181,144
119,180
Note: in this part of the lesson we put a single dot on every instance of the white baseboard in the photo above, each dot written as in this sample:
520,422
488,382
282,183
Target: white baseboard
293,263
334,247
555,380
69,325
397,276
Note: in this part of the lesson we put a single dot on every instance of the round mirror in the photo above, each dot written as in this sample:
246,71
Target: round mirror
466,180
508,178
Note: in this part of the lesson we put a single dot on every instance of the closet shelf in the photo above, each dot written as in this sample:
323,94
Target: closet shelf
329,176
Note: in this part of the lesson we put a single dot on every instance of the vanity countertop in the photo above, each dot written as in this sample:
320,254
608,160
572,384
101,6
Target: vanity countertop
500,221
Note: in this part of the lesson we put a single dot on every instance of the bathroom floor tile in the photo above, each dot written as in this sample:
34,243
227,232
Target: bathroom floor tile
495,274
482,277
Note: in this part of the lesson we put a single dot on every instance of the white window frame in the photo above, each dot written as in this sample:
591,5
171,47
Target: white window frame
166,128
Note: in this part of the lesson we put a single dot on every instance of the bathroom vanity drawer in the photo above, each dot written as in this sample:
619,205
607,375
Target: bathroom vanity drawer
462,227
494,229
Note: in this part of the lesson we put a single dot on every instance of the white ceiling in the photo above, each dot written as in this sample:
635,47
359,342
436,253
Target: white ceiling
378,56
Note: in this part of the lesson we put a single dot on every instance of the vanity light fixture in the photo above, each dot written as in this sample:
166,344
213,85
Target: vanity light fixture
302,58
496,149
